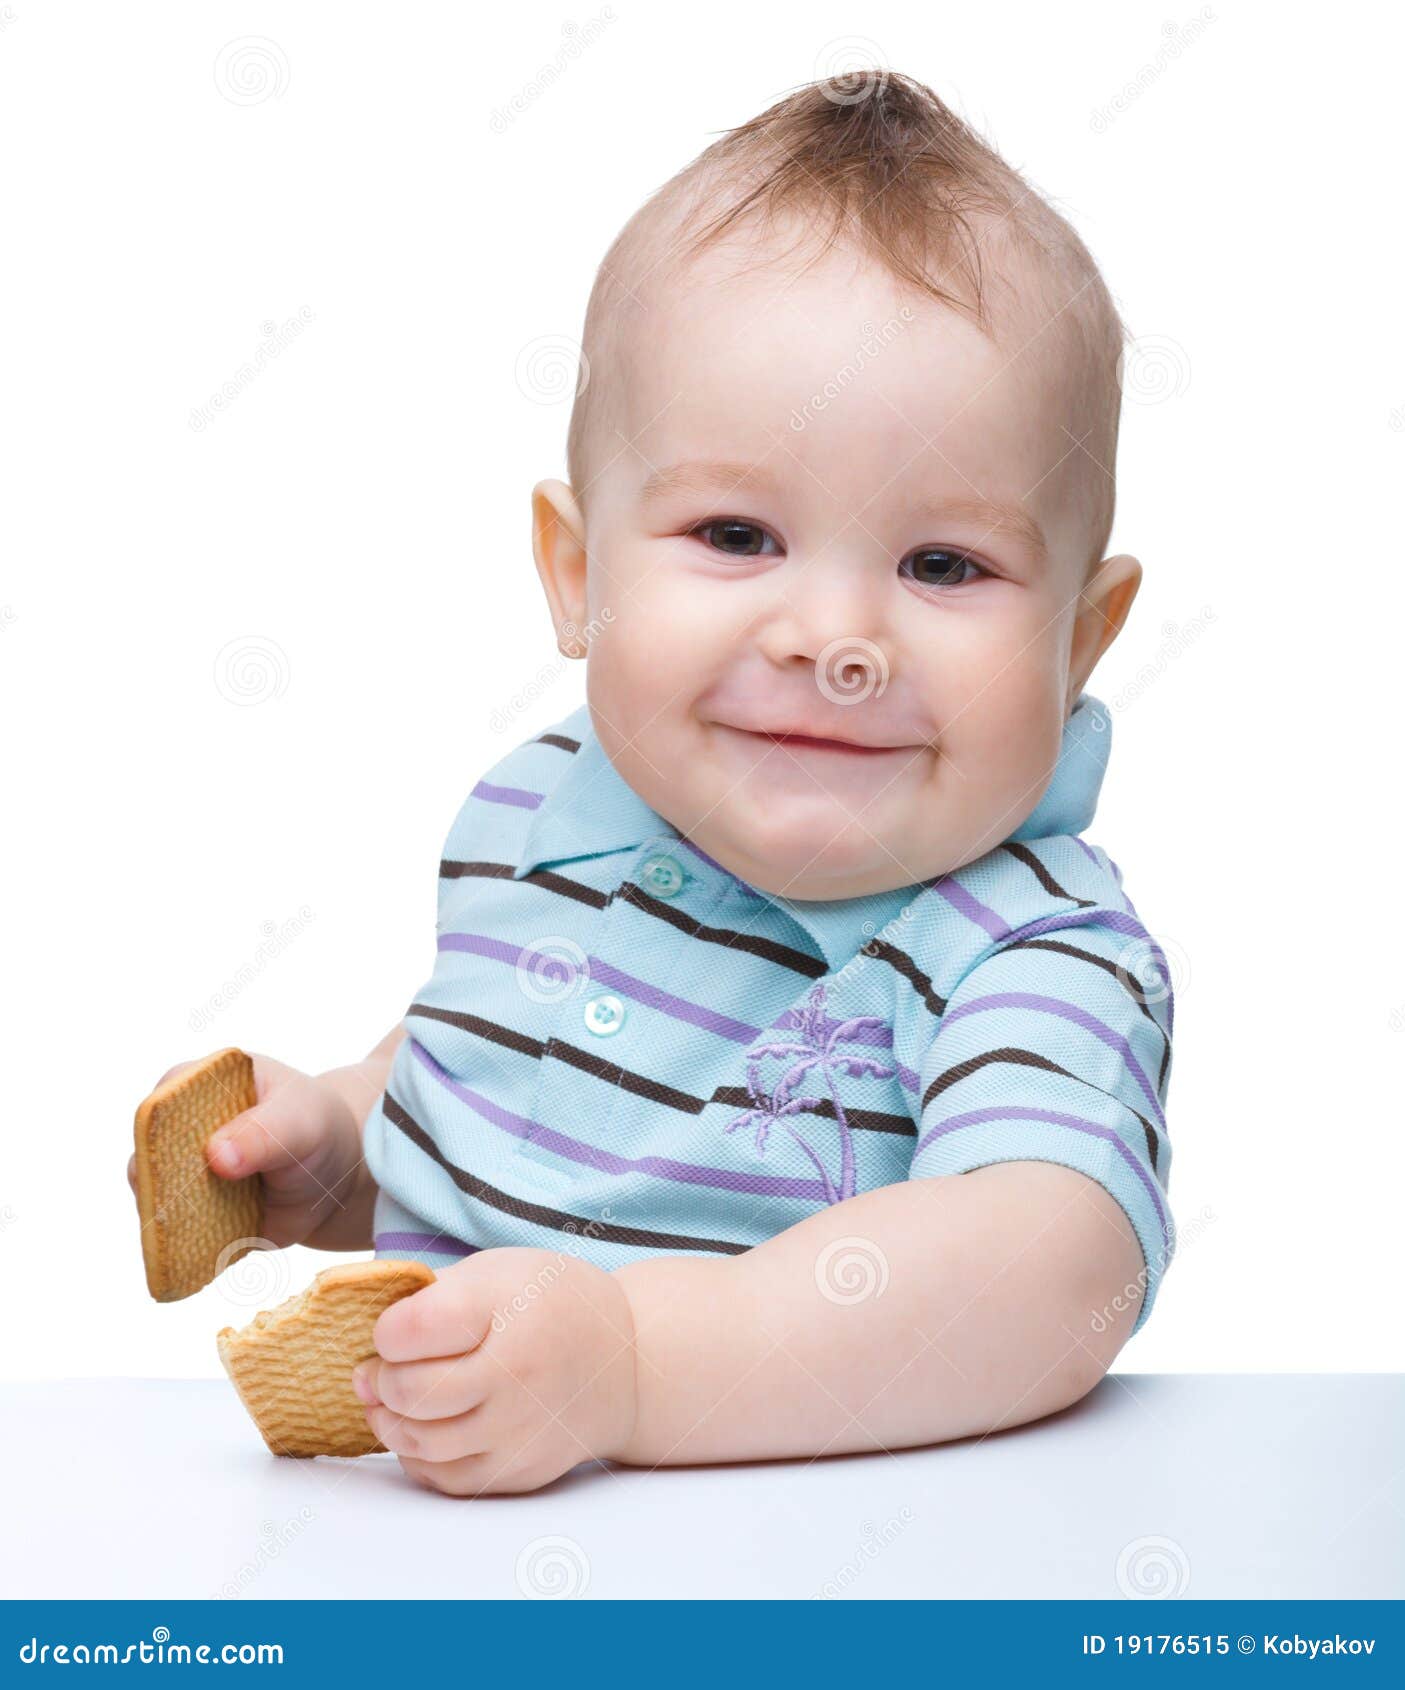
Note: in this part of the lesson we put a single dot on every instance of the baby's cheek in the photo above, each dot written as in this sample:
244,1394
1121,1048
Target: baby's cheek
996,762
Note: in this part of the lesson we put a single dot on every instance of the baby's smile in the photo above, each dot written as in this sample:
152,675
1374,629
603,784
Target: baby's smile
795,765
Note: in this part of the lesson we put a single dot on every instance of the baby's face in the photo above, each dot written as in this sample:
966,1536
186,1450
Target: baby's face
838,512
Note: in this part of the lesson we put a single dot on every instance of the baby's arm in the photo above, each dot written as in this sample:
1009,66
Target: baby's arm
983,1289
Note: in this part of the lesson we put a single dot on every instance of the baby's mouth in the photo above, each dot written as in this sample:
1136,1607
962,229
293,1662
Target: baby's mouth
808,742
814,745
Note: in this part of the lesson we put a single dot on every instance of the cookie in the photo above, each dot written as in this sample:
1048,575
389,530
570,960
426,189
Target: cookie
292,1365
192,1220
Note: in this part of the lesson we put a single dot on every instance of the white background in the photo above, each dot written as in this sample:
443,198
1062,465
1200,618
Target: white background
357,518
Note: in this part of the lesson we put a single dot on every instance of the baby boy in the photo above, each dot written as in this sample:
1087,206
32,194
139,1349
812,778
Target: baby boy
741,963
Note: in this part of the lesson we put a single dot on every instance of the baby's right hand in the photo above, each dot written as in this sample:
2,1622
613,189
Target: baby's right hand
302,1141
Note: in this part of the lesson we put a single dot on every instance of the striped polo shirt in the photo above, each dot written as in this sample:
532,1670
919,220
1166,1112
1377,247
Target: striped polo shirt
625,1051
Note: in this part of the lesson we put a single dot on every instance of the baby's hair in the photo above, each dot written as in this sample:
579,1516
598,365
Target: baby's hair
879,159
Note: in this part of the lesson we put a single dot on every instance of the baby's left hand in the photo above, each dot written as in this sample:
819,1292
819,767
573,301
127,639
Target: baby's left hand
513,1367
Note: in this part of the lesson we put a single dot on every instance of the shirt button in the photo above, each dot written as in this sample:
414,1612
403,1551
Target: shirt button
663,877
605,1015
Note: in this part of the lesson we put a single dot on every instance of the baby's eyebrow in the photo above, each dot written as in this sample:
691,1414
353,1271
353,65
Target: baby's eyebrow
991,514
694,475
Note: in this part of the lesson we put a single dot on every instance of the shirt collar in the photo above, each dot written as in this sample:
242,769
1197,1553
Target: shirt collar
592,809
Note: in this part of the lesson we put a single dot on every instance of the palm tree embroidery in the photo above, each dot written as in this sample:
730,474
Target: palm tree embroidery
811,1047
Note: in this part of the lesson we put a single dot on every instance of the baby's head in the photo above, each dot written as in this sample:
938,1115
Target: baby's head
841,466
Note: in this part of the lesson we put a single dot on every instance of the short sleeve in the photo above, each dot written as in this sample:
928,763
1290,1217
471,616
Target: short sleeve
1056,1048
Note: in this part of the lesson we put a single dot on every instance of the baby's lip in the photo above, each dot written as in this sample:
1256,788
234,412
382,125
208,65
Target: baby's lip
815,738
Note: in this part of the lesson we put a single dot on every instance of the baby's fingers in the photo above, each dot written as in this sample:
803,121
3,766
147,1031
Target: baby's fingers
423,1390
286,1128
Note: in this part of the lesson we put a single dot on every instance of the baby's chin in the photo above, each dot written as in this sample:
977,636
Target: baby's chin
812,856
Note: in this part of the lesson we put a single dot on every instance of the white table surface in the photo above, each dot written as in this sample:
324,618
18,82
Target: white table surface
1248,1485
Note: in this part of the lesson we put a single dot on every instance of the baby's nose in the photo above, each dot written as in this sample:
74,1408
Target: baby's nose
836,616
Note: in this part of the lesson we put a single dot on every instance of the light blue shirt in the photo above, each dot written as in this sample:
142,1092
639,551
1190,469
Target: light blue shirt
625,1051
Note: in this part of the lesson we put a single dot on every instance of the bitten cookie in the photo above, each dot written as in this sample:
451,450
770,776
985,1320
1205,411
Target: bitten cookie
190,1217
292,1365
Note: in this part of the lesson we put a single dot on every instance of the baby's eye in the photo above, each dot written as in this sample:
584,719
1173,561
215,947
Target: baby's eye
734,537
934,566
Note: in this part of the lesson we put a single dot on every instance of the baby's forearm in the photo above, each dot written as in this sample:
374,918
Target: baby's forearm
980,1292
357,1085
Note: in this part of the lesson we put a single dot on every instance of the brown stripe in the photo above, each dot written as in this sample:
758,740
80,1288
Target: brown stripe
644,1085
1035,864
545,878
1129,983
770,950
902,963
1032,1059
559,1220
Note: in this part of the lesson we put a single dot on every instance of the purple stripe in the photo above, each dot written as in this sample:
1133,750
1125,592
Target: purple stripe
681,1009
1116,922
605,1161
515,795
971,907
438,1242
1070,1012
1003,1112
1087,849
543,964
1090,852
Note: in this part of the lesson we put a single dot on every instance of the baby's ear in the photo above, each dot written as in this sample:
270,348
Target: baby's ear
1101,612
558,546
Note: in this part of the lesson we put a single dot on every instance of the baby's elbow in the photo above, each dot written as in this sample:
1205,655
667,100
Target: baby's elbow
1109,1299
1097,1281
